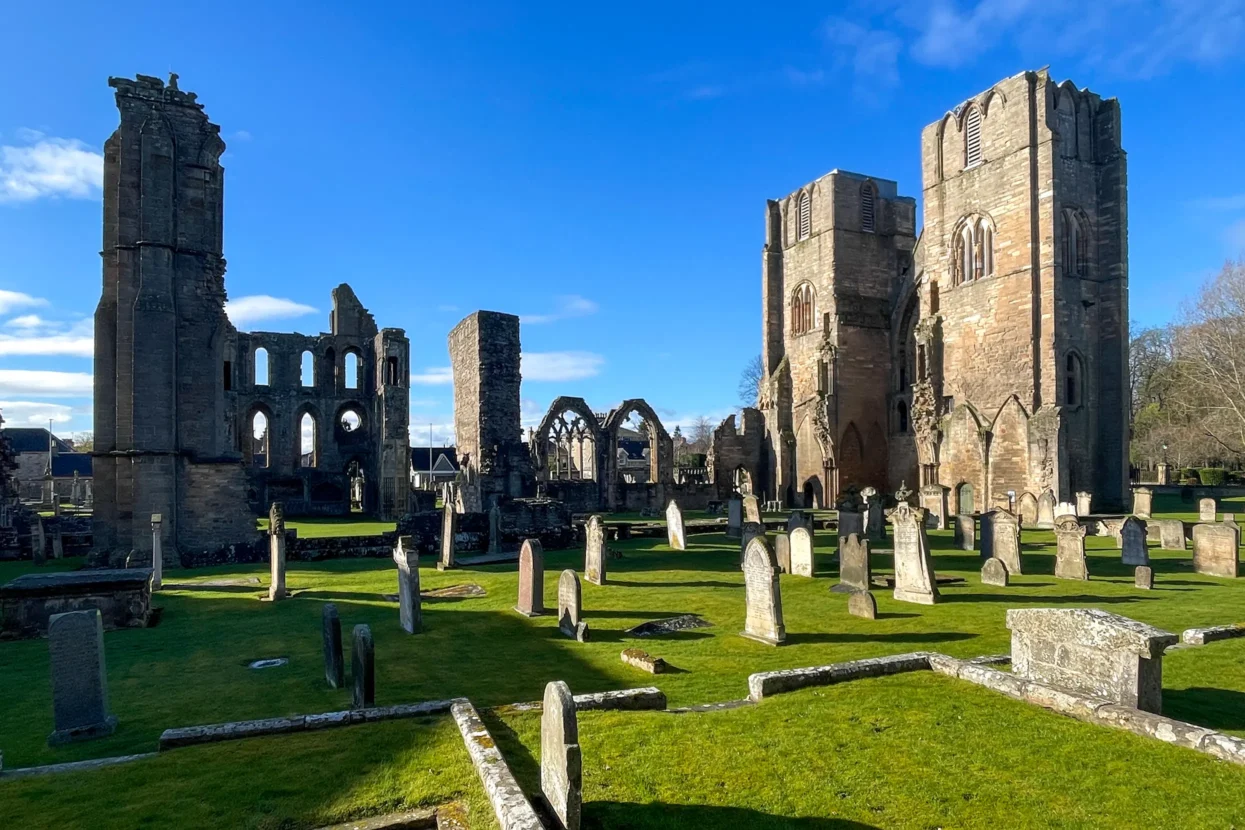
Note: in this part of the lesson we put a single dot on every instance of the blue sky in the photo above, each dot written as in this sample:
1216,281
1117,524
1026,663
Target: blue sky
599,170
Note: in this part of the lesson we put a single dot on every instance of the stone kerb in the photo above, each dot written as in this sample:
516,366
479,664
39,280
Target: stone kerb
510,805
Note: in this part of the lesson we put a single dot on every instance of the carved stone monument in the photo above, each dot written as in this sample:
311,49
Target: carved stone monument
752,509
449,529
1007,541
934,500
594,551
802,552
750,531
966,531
1027,509
782,552
571,607
79,678
676,533
1046,510
762,597
914,570
1084,501
276,551
531,579
407,559
561,761
1070,549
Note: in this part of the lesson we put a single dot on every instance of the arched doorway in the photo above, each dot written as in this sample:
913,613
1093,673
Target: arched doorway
964,498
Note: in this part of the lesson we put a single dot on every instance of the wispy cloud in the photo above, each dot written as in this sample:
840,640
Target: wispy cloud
568,306
13,300
35,412
1220,203
44,384
442,434
561,366
47,166
872,54
1235,237
36,336
434,376
246,311
28,321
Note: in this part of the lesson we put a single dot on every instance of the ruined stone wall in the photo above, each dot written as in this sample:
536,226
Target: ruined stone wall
738,447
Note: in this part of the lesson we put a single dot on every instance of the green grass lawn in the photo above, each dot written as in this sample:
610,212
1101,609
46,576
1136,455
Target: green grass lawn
312,527
953,749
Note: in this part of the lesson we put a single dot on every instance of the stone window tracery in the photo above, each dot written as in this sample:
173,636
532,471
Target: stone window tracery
972,249
803,309
1075,244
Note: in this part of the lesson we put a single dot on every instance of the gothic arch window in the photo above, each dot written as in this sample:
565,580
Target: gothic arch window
261,366
903,416
307,440
354,368
803,308
259,438
308,371
972,249
805,216
868,207
1074,380
972,137
1075,244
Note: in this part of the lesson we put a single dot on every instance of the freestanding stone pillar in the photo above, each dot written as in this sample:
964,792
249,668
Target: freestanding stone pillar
157,555
449,527
79,677
407,560
276,551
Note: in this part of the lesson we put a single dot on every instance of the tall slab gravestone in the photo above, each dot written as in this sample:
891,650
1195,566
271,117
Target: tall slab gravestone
986,533
79,677
851,521
782,552
1084,501
406,558
1027,509
571,607
965,531
752,509
494,529
331,634
914,570
676,533
1206,510
799,518
750,531
531,579
1046,510
1133,550
734,517
1143,499
594,551
276,551
762,597
157,554
1007,541
802,552
1171,534
1070,549
561,760
38,542
449,529
362,668
1216,550
855,573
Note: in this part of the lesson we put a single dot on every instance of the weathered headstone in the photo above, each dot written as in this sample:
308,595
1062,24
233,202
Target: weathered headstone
985,535
1070,549
561,761
851,521
1064,508
1229,520
752,509
1084,501
494,529
406,558
157,554
762,597
966,531
1007,541
802,552
1163,473
1133,550
875,516
331,634
571,607
734,517
855,573
1143,577
934,500
79,677
750,531
362,668
862,604
449,529
1027,509
1206,510
594,551
676,534
1216,550
1143,499
799,518
1091,652
914,570
994,572
531,579
276,551
38,542
1171,534
58,543
782,552
1046,510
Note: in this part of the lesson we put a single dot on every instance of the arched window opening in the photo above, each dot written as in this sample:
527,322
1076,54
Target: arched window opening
261,366
1074,389
571,449
351,419
307,441
354,368
806,215
803,309
868,198
259,439
972,137
1075,245
308,372
391,371
903,416
972,251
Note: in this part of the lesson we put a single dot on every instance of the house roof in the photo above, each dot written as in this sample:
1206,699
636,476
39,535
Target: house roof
635,447
445,459
65,464
32,439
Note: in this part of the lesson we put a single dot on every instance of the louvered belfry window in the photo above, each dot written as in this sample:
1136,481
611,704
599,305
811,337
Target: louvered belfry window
806,215
972,138
867,208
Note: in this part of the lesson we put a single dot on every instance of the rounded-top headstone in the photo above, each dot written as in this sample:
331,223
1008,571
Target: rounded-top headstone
862,604
994,572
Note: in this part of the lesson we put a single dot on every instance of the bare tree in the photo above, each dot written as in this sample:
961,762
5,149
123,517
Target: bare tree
750,382
701,431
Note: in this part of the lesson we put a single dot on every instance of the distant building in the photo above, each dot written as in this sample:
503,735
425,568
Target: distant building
32,449
443,467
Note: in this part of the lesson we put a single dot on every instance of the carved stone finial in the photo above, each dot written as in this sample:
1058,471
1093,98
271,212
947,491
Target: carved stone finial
903,493
172,80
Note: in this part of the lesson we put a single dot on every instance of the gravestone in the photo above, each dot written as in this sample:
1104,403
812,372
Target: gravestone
1229,520
762,597
1171,534
1027,509
276,551
1143,577
494,529
561,761
798,519
1084,501
802,552
1064,508
571,607
58,543
1206,509
594,551
851,521
38,542
331,634
1133,550
862,604
875,517
362,668
407,559
855,573
449,529
986,533
1007,541
914,570
934,500
734,517
750,531
782,552
531,579
1216,550
966,531
1091,652
157,554
676,533
994,572
1046,510
752,509
79,677
1143,499
1070,549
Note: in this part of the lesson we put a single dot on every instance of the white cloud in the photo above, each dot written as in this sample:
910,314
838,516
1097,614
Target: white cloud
49,167
41,337
45,384
561,366
872,54
442,435
13,300
570,305
34,412
244,311
28,321
434,376
241,135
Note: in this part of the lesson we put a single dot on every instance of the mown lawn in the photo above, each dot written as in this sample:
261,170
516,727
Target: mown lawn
191,669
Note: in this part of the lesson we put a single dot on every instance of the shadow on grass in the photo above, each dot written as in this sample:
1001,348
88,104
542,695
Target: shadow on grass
1079,599
1212,708
914,637
619,814
707,583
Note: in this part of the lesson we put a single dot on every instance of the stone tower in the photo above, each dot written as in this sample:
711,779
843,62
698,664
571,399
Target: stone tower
160,331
